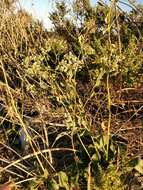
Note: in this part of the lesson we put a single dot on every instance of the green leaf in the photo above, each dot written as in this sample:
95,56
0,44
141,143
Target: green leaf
63,180
98,80
53,185
139,166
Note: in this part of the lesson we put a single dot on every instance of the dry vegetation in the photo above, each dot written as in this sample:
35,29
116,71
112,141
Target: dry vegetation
71,99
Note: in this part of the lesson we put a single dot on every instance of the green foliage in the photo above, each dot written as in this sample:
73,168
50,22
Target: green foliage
62,91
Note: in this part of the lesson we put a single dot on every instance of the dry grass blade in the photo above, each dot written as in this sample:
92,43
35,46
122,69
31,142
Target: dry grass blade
71,97
14,163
